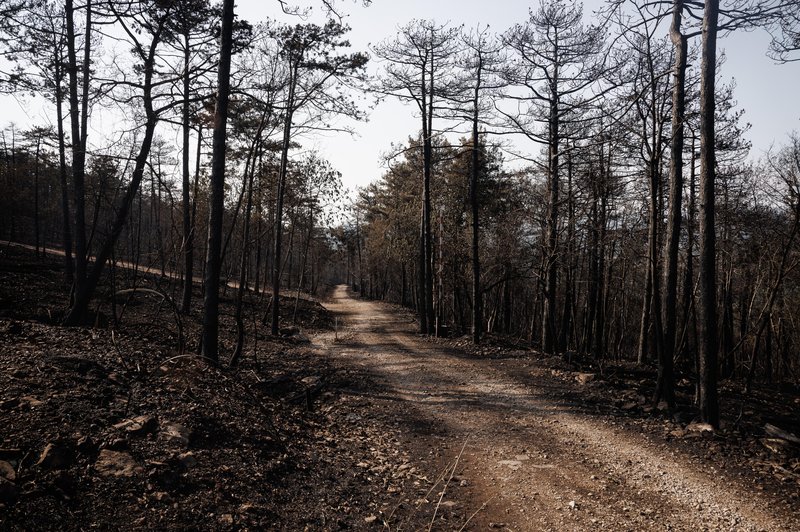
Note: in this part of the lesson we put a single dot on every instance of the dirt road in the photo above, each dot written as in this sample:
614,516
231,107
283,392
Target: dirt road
531,461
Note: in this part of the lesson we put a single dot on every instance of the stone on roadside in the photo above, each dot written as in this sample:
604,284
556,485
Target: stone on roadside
116,444
573,505
30,401
161,496
699,427
7,471
138,425
175,433
117,464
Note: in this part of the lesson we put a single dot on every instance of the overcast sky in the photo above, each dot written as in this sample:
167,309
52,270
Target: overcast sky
768,92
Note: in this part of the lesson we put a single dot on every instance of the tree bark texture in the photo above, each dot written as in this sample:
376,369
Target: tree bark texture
210,340
708,347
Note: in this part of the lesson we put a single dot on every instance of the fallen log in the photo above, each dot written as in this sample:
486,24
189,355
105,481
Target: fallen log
781,434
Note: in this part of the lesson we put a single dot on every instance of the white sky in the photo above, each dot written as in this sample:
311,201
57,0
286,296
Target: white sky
765,90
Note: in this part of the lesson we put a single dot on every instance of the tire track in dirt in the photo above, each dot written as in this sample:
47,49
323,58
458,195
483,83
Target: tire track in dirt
536,462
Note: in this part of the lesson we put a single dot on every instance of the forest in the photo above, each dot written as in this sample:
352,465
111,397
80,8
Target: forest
192,302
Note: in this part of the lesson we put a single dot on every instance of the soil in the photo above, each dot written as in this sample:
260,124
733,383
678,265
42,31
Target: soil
350,421
532,444
114,426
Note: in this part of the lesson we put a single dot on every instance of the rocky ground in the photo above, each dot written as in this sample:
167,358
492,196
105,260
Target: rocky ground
351,421
119,428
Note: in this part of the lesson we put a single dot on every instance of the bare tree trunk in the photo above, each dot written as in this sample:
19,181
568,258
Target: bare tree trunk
62,176
36,221
422,308
647,305
551,259
84,293
477,294
653,238
688,276
78,149
210,340
593,273
188,232
85,290
665,383
243,267
708,397
276,268
404,288
303,261
155,209
426,212
567,315
599,335
257,281
506,307
727,350
248,168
